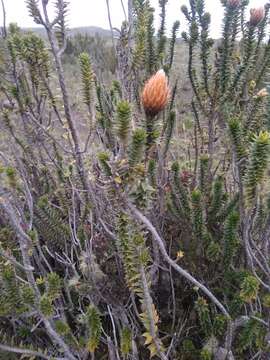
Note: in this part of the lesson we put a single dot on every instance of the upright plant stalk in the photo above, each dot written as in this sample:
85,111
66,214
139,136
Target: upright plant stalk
68,114
4,19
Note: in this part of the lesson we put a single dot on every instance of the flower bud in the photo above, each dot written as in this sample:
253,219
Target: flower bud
252,85
184,10
233,3
256,16
186,177
156,93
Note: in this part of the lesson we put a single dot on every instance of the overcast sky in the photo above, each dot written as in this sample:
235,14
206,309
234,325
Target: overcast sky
93,12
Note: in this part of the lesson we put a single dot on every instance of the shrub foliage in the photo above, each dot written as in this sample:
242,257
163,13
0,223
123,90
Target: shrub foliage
125,233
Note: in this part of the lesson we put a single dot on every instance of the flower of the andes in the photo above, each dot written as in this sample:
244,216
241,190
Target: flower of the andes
156,93
256,16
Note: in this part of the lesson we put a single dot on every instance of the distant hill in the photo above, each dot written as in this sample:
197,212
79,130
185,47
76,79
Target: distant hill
90,30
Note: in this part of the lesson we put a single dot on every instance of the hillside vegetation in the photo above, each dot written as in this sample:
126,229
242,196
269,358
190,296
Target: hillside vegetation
84,30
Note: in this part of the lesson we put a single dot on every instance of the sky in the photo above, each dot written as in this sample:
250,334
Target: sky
94,13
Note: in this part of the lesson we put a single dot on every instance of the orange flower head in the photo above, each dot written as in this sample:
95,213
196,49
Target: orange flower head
233,3
257,15
156,93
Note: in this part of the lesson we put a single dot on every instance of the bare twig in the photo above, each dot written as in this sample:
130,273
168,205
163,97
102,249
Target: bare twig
139,216
124,10
110,23
114,332
4,19
13,261
25,352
